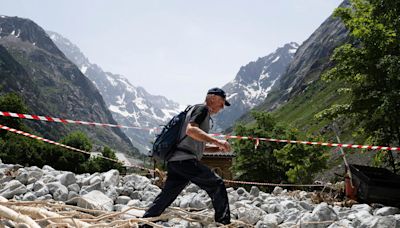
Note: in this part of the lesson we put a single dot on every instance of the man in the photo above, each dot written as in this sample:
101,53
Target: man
185,166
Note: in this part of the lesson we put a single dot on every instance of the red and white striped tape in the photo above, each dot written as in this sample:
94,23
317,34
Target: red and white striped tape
67,121
140,167
369,147
41,139
60,120
65,146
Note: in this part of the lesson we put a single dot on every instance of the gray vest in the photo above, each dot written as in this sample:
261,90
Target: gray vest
190,148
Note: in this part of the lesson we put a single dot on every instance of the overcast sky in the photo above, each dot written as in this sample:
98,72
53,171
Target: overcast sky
176,48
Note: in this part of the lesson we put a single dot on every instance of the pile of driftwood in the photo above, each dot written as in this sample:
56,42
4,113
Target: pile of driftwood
51,213
36,214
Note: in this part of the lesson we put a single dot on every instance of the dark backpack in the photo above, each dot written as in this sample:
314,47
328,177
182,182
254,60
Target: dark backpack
167,141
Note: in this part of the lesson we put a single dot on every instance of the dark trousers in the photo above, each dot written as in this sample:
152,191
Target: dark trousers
179,175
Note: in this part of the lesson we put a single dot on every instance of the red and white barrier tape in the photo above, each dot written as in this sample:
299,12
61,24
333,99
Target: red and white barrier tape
311,143
67,121
60,120
65,146
140,167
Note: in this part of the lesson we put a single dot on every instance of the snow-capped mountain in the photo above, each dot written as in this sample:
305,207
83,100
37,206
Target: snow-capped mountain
50,84
253,83
129,105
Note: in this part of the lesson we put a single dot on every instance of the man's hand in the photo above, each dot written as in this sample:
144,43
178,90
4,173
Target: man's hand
193,130
223,145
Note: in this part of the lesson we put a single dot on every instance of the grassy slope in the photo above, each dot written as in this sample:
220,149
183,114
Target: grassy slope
299,113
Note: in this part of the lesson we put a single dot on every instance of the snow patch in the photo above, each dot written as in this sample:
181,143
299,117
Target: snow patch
264,76
140,103
19,33
270,87
111,80
276,59
231,96
117,109
120,99
83,69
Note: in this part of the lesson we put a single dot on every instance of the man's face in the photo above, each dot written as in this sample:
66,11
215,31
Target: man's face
217,104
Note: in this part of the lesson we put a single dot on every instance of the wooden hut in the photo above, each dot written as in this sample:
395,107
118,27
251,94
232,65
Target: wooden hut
220,162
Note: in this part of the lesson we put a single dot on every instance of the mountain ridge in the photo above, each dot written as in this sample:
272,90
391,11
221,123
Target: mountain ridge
253,83
130,105
51,84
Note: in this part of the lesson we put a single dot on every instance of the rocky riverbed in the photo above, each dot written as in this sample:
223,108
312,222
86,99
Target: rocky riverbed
111,192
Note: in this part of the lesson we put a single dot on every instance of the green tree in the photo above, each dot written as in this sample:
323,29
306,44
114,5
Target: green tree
99,164
105,164
17,149
72,160
258,164
370,68
12,102
304,161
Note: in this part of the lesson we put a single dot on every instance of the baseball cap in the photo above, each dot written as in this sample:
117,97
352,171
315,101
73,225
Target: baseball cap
219,92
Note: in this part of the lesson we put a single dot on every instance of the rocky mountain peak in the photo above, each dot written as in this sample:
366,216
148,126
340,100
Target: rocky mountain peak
52,85
253,83
130,105
27,31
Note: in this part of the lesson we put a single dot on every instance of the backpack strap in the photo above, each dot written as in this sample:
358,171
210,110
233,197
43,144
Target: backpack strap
189,111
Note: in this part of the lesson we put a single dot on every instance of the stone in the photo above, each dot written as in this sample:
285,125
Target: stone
74,187
48,168
29,196
112,193
287,204
200,202
111,178
131,213
192,188
22,176
122,200
241,191
250,214
59,191
41,191
73,198
88,180
136,182
321,213
365,207
45,197
67,178
187,199
385,211
88,188
254,191
96,200
12,188
269,221
277,190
